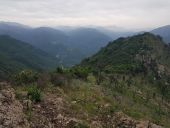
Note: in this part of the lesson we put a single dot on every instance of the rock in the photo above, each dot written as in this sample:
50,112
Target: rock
60,117
27,104
72,123
11,110
146,124
74,102
151,125
96,124
142,124
107,105
123,121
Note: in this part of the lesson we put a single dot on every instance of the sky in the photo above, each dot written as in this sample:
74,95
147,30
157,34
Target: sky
130,14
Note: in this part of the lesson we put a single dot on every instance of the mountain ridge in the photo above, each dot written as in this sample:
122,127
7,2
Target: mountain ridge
56,42
128,53
16,55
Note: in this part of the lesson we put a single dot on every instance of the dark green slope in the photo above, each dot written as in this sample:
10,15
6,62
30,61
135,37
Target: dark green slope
16,55
129,53
138,69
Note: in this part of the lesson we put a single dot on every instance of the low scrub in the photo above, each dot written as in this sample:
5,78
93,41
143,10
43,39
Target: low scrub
34,94
25,77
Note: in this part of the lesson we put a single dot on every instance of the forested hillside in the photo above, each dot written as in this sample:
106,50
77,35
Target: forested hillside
16,55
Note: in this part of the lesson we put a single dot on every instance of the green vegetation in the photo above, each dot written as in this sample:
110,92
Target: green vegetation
132,95
16,56
79,125
126,54
25,77
144,55
130,75
80,72
34,93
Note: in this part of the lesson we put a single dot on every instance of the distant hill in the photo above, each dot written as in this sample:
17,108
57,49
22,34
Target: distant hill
70,47
44,36
131,53
88,40
164,32
16,55
115,32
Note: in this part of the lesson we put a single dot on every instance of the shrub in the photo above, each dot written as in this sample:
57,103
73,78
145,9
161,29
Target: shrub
81,125
59,79
62,70
59,70
43,80
25,77
34,93
80,72
91,79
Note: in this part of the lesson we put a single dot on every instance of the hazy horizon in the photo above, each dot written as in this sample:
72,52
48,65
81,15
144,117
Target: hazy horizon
129,14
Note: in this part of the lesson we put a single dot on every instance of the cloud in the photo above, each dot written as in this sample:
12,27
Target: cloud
124,13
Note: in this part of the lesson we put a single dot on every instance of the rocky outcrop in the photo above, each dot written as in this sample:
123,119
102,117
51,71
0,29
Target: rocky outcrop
120,120
11,110
52,112
123,121
55,112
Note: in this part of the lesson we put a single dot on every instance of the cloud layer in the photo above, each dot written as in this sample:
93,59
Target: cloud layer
124,13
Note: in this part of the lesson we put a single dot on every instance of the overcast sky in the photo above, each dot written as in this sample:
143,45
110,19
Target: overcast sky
132,14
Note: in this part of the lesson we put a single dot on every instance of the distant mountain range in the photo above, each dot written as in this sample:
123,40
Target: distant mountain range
164,32
69,44
16,55
88,40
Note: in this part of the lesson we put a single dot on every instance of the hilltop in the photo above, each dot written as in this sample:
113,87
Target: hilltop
131,53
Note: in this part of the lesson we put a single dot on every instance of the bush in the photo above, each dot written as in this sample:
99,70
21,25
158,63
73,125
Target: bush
34,93
59,79
62,70
81,125
91,79
25,77
59,70
80,72
43,80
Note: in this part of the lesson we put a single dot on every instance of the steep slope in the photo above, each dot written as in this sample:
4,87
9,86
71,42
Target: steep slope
131,53
57,44
45,38
137,70
50,40
164,32
16,55
15,30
